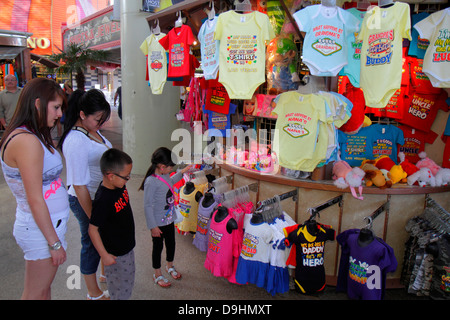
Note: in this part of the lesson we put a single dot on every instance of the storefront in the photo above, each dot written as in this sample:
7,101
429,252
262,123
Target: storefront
348,177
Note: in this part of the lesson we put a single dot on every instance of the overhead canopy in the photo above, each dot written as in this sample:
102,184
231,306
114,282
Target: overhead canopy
12,43
44,61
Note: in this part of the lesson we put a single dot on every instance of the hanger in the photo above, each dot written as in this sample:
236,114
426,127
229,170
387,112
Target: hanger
385,3
242,5
156,30
212,11
363,5
375,214
329,3
179,21
315,210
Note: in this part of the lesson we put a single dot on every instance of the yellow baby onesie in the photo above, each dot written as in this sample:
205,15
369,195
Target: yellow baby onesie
300,120
242,53
382,33
156,62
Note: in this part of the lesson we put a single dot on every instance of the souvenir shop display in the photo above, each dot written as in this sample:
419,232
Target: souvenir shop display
209,47
426,261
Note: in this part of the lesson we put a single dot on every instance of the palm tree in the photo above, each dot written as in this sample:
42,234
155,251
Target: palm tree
75,58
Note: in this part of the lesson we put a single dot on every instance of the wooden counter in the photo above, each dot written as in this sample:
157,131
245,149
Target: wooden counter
404,203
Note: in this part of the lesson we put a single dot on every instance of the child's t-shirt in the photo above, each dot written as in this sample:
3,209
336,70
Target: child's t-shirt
217,99
420,83
423,110
178,42
353,68
415,142
446,139
436,62
327,31
209,49
382,33
219,123
385,141
112,214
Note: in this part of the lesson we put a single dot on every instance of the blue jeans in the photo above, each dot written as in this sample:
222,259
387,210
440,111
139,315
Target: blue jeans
89,257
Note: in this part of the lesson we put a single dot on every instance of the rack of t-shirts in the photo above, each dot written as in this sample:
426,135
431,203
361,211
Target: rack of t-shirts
426,262
365,261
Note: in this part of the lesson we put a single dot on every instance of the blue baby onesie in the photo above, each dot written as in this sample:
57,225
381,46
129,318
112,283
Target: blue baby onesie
209,49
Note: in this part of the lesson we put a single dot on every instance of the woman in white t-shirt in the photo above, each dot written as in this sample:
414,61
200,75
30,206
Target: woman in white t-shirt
83,145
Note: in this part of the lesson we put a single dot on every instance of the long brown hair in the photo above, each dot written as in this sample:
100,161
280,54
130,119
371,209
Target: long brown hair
26,113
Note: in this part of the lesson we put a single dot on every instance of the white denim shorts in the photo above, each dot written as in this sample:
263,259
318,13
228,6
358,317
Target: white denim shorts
31,240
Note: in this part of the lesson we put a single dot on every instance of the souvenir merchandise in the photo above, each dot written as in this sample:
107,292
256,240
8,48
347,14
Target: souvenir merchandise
217,100
418,46
185,80
282,65
156,62
374,176
446,139
297,127
356,96
426,262
327,32
415,141
309,240
219,256
209,48
436,61
382,32
365,261
423,110
353,69
188,203
392,171
177,42
420,83
219,124
345,177
207,204
242,51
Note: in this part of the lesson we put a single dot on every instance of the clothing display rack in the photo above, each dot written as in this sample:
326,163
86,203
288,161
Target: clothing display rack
270,208
425,269
375,214
315,210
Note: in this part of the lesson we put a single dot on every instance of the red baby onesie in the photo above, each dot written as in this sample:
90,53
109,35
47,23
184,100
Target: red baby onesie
415,142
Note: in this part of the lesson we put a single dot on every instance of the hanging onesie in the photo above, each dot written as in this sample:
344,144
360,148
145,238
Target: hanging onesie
310,270
242,57
362,270
353,68
189,210
156,62
415,142
209,48
382,33
297,128
436,63
327,31
178,42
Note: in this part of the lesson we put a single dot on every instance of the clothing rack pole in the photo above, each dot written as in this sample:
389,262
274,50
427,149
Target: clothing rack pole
290,194
315,210
376,213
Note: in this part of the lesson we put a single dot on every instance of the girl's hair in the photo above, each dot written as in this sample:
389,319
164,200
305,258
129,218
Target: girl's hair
161,155
113,161
89,102
26,113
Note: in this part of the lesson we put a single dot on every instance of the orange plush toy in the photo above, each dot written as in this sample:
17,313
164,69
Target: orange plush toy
392,171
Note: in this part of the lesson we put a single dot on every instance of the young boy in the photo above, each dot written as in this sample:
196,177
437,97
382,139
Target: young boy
112,225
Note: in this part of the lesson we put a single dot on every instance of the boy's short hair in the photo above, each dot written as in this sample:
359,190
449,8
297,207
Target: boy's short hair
113,160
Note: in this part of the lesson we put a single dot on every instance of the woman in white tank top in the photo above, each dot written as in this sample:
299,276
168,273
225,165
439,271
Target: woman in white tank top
32,169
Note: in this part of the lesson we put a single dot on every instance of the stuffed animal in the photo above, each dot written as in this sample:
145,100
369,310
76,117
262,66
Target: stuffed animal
426,162
392,171
409,167
442,177
374,176
347,177
423,177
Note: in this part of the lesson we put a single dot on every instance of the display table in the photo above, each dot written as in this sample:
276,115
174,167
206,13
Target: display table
403,203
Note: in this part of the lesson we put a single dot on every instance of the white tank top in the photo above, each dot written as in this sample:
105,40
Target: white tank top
53,188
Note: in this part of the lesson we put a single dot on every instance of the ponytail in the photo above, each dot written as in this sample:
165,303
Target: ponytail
161,155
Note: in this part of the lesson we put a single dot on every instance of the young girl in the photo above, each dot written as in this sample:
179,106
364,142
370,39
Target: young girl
158,206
